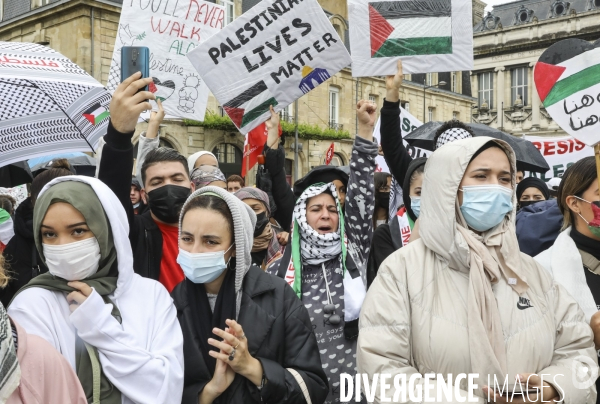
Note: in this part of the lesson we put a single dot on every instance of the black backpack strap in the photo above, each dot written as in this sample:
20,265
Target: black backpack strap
284,261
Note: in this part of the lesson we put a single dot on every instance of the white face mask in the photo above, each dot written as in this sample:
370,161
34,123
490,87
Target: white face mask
73,261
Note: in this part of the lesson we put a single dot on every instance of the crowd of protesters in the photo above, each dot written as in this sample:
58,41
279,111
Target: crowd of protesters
182,285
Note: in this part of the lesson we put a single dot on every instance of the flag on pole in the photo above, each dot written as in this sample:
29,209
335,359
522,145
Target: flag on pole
253,146
329,154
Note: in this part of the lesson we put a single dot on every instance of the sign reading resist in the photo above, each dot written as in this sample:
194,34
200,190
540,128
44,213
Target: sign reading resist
272,55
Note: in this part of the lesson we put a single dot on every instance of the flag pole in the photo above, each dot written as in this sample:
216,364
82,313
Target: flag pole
296,142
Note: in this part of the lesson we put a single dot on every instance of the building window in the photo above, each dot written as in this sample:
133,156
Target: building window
225,153
519,85
429,79
373,98
229,10
486,89
287,113
455,116
334,107
430,114
453,81
405,105
221,111
337,160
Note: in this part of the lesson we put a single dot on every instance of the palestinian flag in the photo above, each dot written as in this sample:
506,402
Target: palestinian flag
250,104
162,90
95,114
562,72
567,78
409,28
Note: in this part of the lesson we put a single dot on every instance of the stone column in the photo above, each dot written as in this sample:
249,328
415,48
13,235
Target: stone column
499,89
535,103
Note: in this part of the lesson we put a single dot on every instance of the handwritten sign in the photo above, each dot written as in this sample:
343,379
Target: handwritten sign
567,78
560,153
273,54
170,29
428,35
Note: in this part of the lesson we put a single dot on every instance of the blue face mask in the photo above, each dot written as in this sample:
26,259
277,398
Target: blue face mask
415,205
484,206
202,267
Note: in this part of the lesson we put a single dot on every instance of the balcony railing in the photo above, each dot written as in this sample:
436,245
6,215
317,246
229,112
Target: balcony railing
336,126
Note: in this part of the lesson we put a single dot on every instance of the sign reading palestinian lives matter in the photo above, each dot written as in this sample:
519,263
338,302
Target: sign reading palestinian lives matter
560,153
170,29
408,123
567,78
273,54
428,35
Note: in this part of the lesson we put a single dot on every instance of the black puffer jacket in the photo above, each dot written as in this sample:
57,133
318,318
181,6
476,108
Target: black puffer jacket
279,335
22,258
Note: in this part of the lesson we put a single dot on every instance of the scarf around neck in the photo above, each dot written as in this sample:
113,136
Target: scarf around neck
310,247
83,198
10,372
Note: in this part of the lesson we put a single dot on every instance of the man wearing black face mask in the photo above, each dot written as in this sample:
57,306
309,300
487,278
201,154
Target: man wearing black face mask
266,249
383,182
166,181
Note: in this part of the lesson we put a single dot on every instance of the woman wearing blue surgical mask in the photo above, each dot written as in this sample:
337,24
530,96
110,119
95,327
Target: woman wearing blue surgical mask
247,337
388,238
574,259
462,299
117,330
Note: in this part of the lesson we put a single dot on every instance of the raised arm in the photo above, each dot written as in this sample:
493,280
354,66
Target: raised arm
395,154
360,200
116,164
275,164
149,140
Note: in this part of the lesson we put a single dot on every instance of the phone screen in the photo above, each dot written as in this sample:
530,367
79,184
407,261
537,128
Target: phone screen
135,59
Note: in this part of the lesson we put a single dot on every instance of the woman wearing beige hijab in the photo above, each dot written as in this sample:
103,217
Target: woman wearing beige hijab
463,299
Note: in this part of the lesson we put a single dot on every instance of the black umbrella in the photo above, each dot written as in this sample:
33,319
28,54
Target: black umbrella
15,174
528,156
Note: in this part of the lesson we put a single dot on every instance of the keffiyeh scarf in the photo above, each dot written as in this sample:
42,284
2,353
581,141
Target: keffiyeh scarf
10,372
451,135
203,176
310,247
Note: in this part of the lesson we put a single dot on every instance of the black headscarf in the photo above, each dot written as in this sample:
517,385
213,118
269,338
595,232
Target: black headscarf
535,183
412,167
324,174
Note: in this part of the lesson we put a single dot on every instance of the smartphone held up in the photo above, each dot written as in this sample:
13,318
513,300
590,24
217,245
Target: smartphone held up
135,59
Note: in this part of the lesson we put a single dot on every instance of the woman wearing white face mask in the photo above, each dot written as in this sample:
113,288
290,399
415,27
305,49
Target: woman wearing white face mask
119,331
463,299
247,338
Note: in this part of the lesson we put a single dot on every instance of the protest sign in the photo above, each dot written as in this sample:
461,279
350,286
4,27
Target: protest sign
560,153
170,29
273,54
567,78
408,123
428,35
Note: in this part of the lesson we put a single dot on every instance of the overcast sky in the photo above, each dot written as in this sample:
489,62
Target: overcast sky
491,3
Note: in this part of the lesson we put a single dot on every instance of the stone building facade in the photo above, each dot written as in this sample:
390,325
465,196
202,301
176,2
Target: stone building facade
507,44
85,32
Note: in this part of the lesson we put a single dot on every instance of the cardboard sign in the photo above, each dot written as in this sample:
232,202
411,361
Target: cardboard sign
170,29
272,55
560,153
428,35
567,78
408,123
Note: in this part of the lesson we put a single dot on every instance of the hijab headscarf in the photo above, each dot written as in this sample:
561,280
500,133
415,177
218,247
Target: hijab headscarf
486,258
532,182
229,298
203,176
83,198
192,159
267,240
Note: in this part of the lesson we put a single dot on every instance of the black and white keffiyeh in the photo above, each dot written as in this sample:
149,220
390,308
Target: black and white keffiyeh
451,135
10,373
316,248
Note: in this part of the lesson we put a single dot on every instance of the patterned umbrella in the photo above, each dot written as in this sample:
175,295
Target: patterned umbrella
48,104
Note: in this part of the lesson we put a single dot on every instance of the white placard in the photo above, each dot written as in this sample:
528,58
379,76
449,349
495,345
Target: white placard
272,55
560,153
170,29
428,35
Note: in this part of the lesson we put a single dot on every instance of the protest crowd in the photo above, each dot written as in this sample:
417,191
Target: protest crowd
161,280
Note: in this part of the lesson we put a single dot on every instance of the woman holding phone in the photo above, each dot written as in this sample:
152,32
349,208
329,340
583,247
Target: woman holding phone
463,299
